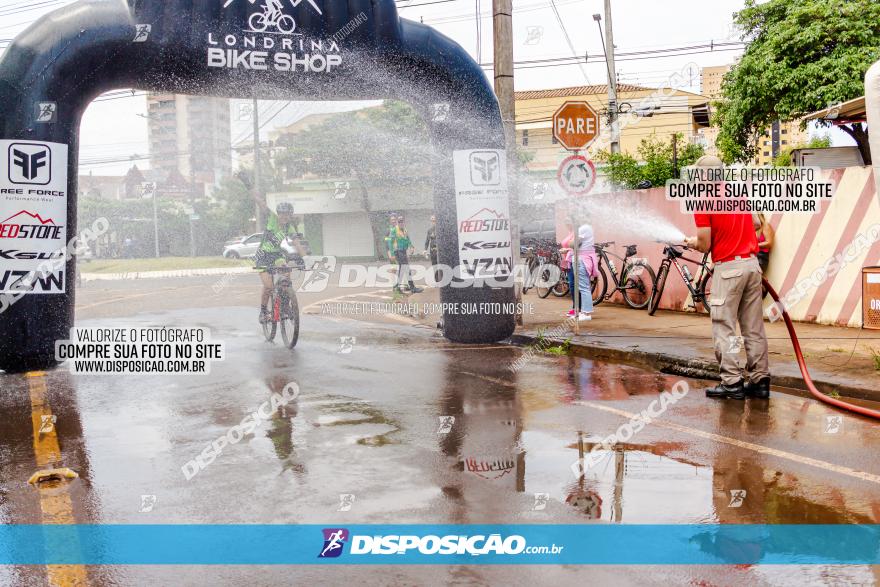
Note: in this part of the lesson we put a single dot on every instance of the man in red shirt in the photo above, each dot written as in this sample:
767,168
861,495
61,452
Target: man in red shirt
735,297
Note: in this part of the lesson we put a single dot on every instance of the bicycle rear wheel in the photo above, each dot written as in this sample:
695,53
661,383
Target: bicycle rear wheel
657,292
561,289
547,279
637,289
290,320
270,327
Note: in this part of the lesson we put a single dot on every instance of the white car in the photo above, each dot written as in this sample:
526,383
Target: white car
246,247
243,247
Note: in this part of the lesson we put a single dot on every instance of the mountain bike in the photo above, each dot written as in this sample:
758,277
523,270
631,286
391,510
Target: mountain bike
698,285
260,21
635,282
552,278
284,307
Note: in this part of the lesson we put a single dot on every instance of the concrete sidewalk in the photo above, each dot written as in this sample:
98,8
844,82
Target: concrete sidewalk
839,359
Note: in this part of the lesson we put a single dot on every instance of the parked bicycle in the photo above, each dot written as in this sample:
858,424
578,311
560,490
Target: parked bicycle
283,306
552,278
698,285
543,272
635,281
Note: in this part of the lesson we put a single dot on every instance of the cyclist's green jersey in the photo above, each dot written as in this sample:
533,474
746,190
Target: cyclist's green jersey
275,234
398,239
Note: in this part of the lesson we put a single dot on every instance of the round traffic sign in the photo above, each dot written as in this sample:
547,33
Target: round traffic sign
576,175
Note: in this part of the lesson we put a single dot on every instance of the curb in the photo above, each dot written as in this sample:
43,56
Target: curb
695,368
164,274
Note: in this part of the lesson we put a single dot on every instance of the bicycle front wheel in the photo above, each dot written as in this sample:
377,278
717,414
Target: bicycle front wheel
286,24
290,320
638,285
599,286
657,292
270,327
704,288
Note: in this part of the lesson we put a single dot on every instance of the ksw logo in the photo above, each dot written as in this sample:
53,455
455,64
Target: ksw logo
482,245
334,541
30,164
485,168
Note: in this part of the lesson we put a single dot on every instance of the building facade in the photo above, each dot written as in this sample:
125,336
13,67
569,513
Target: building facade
779,137
190,136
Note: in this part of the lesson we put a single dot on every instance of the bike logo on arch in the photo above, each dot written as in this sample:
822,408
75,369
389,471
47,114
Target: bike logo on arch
272,18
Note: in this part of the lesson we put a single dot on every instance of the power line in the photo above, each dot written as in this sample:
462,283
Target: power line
568,40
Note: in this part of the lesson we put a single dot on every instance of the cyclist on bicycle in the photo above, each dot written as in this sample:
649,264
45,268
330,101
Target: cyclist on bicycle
280,226
274,8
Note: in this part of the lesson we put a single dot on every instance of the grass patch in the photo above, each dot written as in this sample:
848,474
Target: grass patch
875,354
836,350
160,264
560,349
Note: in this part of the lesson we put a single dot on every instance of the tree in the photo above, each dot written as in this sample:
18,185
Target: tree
659,162
801,56
784,157
381,148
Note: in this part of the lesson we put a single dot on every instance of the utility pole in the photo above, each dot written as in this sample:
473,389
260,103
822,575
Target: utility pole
502,31
674,156
192,200
155,220
612,80
258,184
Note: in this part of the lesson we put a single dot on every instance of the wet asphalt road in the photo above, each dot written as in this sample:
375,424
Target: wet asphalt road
367,423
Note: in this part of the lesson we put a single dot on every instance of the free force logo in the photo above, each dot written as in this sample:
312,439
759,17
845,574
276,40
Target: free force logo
30,164
485,168
334,541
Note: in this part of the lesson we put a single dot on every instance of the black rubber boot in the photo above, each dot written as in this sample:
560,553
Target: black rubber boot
722,391
759,389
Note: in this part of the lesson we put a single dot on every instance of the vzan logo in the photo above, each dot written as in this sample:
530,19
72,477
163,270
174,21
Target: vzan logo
30,164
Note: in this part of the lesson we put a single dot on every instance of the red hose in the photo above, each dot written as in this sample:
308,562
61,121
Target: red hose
803,366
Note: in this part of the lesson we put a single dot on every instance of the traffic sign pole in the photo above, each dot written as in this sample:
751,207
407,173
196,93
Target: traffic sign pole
575,126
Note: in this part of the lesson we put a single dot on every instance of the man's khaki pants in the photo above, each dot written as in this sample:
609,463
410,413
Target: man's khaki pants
736,296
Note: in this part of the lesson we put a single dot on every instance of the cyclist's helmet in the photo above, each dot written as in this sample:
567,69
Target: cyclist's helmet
284,208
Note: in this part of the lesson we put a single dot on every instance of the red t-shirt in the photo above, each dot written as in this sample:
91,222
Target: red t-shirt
732,235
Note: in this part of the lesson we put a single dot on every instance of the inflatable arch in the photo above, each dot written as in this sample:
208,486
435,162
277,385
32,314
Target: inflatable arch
276,49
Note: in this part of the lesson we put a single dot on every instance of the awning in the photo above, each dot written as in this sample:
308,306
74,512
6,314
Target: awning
845,112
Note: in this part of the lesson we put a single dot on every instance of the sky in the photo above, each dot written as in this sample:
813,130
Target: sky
114,126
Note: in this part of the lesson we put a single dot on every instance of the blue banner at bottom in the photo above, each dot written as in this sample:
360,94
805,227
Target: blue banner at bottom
593,544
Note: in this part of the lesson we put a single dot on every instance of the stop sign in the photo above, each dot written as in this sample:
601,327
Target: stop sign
575,125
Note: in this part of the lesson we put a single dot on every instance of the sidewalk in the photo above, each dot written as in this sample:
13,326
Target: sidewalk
839,359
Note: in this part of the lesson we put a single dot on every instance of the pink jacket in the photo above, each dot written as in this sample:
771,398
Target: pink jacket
587,256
